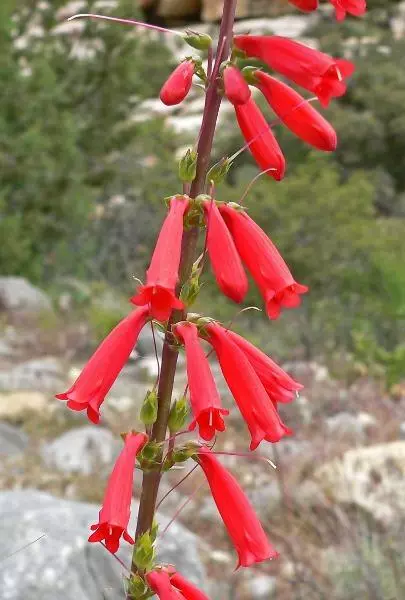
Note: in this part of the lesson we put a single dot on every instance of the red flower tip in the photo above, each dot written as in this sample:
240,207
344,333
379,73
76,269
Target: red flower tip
258,411
297,113
263,260
188,590
95,381
305,5
204,397
178,85
162,276
357,8
226,263
313,70
115,512
262,143
236,89
239,518
280,386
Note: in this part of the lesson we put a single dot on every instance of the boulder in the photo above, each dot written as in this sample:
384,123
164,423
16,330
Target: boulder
19,295
14,405
345,424
371,478
40,374
12,440
61,563
84,450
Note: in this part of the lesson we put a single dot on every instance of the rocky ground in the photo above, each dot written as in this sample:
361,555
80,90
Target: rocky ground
334,506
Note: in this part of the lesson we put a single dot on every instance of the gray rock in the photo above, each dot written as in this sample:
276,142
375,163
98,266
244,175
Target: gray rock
145,345
12,440
18,294
345,423
402,431
62,564
83,450
262,587
41,374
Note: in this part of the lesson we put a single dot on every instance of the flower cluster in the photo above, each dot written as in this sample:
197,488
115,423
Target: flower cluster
233,242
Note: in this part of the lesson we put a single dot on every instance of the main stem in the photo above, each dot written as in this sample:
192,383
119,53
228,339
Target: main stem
151,480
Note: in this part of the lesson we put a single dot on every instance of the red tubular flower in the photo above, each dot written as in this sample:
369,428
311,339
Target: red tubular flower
189,591
226,263
178,85
262,143
357,8
205,401
163,272
277,383
240,519
236,89
263,260
297,113
308,68
159,582
94,382
261,417
305,5
116,510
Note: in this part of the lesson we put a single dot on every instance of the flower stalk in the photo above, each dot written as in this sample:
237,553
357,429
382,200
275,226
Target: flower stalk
151,480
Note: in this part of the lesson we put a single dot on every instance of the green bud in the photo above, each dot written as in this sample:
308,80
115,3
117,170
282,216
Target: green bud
190,291
249,73
154,530
186,452
178,415
149,410
188,166
144,554
136,587
219,171
150,451
197,40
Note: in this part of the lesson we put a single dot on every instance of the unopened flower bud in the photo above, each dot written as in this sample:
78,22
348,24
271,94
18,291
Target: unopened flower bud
144,552
178,415
219,171
178,84
190,291
236,89
148,414
197,40
188,166
136,587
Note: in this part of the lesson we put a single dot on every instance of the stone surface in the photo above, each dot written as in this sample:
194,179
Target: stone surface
262,587
345,423
16,404
402,431
18,294
12,440
41,374
62,564
371,478
84,450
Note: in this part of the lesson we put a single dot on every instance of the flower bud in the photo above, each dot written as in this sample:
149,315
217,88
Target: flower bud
188,166
178,415
219,171
236,89
197,40
136,587
144,552
178,84
148,414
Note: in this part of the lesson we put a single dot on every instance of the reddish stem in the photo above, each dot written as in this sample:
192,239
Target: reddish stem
151,480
